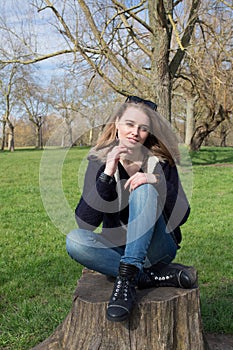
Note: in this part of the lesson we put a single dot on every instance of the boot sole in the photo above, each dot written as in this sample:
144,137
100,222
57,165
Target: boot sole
117,319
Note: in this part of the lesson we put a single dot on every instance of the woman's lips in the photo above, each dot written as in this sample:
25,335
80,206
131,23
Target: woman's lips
132,140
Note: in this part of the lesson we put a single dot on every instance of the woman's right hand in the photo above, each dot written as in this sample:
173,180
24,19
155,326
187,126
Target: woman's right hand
113,158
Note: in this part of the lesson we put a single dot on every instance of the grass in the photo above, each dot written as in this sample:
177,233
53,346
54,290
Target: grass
37,278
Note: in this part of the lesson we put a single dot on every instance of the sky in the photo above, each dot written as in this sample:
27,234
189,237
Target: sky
20,14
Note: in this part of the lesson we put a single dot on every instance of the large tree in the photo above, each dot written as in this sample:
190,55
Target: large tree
205,80
8,87
135,48
36,108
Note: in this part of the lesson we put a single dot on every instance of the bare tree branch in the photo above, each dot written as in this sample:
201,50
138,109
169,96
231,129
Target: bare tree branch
133,15
184,42
134,37
104,46
226,3
35,59
62,21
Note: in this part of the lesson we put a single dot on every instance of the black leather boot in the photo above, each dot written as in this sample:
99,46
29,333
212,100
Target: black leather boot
123,296
171,275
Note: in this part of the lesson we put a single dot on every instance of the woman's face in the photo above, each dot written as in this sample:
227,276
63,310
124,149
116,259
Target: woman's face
133,127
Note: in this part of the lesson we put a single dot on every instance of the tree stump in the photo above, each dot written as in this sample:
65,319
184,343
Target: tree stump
164,319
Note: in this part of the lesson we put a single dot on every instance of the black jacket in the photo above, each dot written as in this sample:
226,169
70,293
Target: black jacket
101,203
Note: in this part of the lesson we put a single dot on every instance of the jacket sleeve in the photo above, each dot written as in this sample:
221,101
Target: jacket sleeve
97,198
176,206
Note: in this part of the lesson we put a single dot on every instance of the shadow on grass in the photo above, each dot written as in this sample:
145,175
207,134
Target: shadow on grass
205,156
212,155
26,149
33,149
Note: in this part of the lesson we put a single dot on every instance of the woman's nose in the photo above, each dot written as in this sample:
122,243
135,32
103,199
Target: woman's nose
135,130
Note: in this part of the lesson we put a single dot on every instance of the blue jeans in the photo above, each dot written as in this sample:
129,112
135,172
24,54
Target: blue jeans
147,241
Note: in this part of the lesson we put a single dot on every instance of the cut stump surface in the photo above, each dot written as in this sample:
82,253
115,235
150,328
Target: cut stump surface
163,319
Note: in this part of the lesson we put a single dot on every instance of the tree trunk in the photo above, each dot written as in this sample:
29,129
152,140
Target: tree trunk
164,319
69,131
3,135
223,142
203,130
90,136
189,129
39,136
223,136
161,81
11,141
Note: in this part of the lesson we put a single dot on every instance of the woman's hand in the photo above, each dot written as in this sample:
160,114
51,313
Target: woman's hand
140,179
113,158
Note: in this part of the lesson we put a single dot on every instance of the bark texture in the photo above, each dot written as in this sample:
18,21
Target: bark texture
164,319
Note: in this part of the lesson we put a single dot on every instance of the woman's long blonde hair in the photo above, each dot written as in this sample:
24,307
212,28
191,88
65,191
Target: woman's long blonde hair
161,141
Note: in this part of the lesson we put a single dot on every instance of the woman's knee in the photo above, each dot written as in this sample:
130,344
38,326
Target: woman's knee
80,241
72,237
144,193
75,242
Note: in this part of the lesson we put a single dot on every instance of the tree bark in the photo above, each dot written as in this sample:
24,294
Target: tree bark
223,135
39,136
69,129
161,81
164,319
203,130
3,135
189,129
11,137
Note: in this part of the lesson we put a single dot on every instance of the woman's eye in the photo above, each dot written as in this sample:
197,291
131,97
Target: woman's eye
129,124
144,128
141,127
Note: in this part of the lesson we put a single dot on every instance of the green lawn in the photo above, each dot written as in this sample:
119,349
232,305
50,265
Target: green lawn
37,278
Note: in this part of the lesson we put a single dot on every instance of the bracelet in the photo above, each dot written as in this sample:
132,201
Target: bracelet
106,178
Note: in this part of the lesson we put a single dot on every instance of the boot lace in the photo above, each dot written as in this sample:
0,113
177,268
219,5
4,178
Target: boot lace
121,290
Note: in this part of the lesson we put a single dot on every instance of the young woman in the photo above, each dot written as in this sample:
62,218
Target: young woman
132,188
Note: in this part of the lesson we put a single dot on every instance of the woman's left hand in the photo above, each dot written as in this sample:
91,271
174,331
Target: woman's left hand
139,179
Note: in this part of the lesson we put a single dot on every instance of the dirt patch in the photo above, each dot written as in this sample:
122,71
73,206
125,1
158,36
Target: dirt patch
220,341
